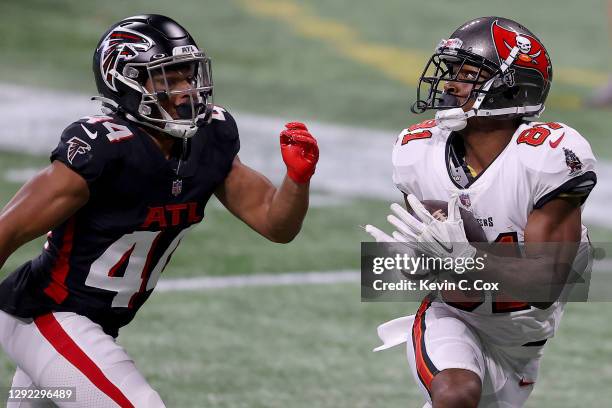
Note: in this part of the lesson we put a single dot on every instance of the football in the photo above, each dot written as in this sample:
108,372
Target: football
439,208
474,234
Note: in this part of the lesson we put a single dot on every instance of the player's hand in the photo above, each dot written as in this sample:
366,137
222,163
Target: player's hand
397,244
434,237
381,236
300,152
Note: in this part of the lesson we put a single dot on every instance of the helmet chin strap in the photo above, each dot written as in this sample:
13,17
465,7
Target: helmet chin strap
455,119
177,130
172,129
180,131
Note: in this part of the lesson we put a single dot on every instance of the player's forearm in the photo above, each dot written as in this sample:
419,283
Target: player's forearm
5,252
15,224
287,210
16,229
8,243
536,279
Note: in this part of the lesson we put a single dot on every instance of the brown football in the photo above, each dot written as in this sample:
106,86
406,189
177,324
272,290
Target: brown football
474,233
439,208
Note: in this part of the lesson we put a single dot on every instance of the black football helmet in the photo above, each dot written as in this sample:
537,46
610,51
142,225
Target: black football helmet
145,47
513,77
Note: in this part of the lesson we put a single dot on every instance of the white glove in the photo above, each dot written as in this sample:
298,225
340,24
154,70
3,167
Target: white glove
438,238
398,244
377,234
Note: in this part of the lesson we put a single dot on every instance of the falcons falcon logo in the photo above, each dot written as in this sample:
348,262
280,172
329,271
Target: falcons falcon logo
120,44
76,146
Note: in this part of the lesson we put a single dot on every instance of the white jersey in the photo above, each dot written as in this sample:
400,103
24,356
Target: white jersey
541,162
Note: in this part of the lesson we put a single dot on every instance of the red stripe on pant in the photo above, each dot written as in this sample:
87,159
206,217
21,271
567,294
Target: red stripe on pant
63,343
425,368
56,289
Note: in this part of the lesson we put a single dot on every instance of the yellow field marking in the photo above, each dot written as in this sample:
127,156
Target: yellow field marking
400,64
580,77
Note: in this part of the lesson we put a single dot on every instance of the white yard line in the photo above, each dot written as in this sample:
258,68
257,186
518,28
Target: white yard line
283,279
20,175
355,162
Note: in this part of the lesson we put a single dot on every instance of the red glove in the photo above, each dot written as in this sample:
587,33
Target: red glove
300,152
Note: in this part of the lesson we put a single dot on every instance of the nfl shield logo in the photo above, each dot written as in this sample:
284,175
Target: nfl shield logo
465,200
177,187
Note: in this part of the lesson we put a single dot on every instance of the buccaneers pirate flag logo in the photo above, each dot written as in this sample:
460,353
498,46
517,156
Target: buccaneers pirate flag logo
531,52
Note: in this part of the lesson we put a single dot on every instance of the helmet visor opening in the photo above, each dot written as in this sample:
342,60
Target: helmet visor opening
451,80
178,90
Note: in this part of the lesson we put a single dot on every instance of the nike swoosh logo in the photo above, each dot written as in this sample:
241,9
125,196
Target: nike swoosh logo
556,142
446,248
90,134
524,383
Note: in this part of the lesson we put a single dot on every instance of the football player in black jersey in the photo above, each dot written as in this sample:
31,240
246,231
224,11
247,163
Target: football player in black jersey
121,192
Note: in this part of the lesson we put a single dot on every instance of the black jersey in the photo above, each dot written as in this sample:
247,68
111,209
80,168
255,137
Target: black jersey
104,261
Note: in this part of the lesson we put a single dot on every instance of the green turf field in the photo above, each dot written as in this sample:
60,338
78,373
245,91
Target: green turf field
311,346
343,61
303,59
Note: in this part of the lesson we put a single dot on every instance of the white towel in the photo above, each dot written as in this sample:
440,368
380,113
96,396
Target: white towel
395,332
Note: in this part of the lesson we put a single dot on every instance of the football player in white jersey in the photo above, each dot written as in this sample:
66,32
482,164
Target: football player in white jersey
523,180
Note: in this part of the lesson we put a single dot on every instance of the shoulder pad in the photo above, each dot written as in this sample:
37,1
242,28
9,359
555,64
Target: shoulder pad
412,142
223,131
222,119
553,147
219,113
87,145
558,161
412,147
113,129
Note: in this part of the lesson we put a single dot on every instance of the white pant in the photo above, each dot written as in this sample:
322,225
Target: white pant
437,339
65,349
